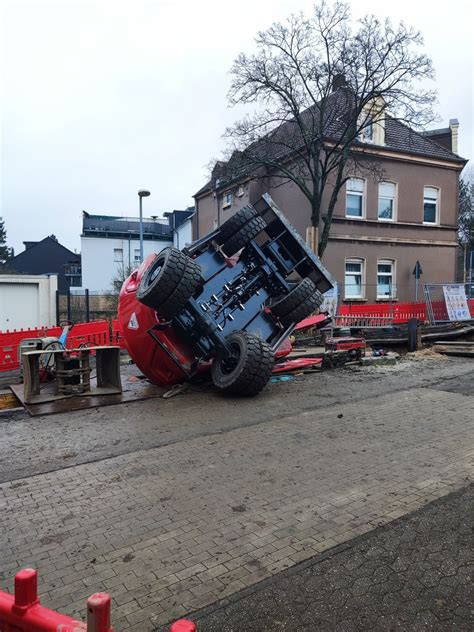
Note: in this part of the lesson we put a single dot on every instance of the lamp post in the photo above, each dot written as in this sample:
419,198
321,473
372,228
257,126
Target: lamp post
141,194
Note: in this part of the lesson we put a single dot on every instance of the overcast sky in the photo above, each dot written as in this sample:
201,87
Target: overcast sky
102,98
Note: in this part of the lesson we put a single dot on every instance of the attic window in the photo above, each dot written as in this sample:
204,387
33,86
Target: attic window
227,199
368,131
240,190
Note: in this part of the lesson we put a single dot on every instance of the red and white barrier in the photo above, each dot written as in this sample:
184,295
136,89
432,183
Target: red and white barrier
96,332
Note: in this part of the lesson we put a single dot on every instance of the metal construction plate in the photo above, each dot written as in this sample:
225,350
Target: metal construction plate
132,391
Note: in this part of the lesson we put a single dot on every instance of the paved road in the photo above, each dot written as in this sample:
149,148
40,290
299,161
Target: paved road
413,574
86,436
174,528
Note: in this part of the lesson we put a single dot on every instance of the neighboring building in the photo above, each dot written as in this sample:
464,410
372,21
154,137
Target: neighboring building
110,245
379,229
48,256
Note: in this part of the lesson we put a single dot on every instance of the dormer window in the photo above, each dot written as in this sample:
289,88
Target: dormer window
227,199
367,133
371,123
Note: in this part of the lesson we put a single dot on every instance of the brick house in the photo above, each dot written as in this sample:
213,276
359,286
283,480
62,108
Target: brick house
380,228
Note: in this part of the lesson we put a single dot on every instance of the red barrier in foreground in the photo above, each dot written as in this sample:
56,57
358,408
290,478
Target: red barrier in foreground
183,625
22,611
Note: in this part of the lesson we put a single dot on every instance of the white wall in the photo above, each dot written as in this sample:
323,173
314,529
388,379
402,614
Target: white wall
97,259
183,235
27,300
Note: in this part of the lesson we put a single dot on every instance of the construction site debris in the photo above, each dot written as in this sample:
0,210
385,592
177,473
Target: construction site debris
423,354
459,348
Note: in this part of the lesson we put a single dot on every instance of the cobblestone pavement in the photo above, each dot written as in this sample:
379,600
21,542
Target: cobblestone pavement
413,574
92,435
172,529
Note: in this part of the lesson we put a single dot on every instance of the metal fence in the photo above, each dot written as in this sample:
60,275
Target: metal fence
83,305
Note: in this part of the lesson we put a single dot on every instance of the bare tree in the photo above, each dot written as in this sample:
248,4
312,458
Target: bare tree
466,209
122,273
319,89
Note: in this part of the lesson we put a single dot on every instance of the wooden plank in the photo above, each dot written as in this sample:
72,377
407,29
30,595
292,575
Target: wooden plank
8,401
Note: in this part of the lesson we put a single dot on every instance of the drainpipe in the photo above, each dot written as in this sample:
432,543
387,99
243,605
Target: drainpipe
196,204
218,209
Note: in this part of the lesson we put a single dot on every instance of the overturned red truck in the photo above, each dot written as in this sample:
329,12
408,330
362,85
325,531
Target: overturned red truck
227,302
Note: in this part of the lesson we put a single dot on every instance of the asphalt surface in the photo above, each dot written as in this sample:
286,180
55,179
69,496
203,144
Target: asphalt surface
413,574
65,440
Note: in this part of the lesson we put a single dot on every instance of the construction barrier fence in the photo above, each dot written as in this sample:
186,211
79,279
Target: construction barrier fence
396,313
23,612
94,333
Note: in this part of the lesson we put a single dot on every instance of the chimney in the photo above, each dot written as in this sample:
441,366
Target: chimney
29,244
338,81
454,127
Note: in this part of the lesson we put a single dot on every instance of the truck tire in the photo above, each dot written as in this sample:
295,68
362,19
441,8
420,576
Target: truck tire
244,236
249,371
235,223
190,283
300,303
169,281
240,229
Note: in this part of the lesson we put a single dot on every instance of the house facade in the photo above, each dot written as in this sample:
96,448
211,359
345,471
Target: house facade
48,256
110,245
380,227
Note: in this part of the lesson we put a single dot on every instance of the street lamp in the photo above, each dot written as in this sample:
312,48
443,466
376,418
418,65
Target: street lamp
141,194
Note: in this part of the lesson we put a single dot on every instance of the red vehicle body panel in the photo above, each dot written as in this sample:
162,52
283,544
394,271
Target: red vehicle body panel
136,320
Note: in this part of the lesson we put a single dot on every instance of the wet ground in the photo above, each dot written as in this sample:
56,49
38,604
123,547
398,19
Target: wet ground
92,435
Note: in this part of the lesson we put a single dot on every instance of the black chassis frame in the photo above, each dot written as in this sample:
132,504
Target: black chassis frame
232,297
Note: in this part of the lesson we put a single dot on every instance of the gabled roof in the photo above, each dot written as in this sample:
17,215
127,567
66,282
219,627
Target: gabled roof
398,137
53,244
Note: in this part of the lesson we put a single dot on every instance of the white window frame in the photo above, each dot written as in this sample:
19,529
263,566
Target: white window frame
395,202
438,204
118,250
362,194
240,190
227,199
361,261
392,274
136,257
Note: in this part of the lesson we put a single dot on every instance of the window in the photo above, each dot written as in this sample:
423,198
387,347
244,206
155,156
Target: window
430,205
136,254
367,133
354,278
118,255
240,191
227,200
355,197
387,194
386,279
